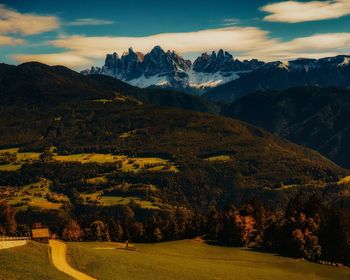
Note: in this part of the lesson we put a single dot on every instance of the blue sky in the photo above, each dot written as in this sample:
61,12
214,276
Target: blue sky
79,33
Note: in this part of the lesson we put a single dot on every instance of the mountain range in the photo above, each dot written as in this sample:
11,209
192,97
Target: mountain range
325,72
221,77
168,69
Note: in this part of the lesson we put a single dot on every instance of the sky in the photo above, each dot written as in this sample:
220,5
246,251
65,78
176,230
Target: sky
80,33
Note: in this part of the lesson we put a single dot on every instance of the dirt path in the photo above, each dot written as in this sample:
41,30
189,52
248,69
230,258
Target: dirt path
58,257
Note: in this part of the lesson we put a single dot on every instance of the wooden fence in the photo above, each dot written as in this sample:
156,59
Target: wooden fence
7,238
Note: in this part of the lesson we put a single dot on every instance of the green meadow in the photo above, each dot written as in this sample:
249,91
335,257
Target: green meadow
30,262
183,260
192,260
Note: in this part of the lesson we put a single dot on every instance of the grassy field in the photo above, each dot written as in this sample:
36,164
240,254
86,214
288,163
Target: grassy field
36,194
171,260
21,159
192,260
344,180
128,164
219,158
28,262
103,200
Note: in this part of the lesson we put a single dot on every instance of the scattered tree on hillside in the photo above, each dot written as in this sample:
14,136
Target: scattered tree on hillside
99,231
8,223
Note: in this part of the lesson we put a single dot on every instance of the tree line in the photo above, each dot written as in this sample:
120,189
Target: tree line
307,228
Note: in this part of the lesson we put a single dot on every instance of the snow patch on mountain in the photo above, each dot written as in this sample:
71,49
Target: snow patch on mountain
169,69
346,62
197,81
144,82
202,81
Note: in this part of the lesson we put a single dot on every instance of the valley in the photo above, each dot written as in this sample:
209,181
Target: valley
190,140
110,162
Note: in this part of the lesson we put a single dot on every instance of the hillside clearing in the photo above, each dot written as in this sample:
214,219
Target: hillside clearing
192,260
219,158
127,164
37,194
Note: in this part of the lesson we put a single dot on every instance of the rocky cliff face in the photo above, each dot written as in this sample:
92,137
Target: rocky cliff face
223,62
169,69
278,75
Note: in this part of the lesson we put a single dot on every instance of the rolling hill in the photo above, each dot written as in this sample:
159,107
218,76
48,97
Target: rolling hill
38,83
54,106
313,117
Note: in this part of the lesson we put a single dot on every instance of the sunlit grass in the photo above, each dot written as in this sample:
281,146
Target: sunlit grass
189,260
30,262
33,195
219,158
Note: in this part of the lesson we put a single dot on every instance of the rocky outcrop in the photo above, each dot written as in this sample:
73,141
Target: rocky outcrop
169,69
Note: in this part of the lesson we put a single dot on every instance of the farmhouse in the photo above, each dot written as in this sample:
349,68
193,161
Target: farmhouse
41,235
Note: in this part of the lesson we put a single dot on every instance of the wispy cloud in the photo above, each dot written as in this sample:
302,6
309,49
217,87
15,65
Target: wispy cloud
68,59
13,22
315,46
296,11
230,21
89,22
82,51
184,42
90,48
10,41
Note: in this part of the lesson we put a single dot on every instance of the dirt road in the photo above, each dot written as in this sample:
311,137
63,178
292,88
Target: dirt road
59,260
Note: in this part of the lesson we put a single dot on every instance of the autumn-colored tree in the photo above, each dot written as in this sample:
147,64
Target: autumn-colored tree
245,225
304,240
8,223
306,243
72,231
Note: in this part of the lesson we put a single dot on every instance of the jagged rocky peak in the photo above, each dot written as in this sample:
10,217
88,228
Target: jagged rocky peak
112,61
157,61
160,67
134,56
223,62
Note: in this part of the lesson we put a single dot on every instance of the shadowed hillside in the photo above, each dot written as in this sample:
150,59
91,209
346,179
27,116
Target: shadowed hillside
312,117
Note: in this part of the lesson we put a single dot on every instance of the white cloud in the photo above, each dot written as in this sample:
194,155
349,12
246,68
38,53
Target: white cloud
13,22
316,46
10,41
235,39
89,22
67,59
243,42
295,11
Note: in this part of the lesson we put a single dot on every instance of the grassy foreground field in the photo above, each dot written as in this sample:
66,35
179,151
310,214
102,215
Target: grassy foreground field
30,262
192,260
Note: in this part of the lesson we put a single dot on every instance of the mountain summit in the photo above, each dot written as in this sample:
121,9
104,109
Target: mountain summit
278,75
170,70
